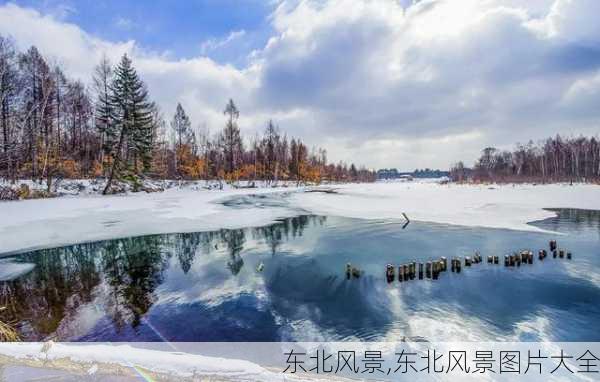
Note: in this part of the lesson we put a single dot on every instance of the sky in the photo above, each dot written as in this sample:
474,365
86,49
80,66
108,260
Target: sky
382,83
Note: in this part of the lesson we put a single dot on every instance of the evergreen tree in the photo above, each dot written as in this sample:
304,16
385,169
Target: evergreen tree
230,138
103,109
131,120
184,136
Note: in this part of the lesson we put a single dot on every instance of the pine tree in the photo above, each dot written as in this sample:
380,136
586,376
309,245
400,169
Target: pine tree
131,120
182,128
230,138
103,109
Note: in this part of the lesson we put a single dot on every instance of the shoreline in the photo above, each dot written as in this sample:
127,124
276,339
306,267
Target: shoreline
72,220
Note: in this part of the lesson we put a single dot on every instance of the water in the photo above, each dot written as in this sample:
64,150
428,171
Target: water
206,286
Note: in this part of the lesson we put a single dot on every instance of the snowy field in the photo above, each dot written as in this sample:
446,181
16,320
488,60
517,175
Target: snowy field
41,223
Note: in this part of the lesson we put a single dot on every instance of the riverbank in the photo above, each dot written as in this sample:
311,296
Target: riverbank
42,223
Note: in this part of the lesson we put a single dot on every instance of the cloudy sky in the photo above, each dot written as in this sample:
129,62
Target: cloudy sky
389,83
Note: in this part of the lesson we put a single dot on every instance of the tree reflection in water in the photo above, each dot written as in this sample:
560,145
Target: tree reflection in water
124,272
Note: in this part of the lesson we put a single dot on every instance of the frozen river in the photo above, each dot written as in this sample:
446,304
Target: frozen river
286,282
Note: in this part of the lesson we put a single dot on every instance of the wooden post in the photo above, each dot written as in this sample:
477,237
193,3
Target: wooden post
561,253
406,272
420,271
400,273
569,255
506,261
428,269
490,259
467,261
496,259
348,270
435,270
554,253
390,273
552,245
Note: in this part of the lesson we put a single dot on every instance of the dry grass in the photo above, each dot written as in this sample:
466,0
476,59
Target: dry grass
8,333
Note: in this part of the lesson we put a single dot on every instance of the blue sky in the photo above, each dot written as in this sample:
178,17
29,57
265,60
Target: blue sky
179,27
386,83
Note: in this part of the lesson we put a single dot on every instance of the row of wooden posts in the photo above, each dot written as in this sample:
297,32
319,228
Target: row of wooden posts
432,269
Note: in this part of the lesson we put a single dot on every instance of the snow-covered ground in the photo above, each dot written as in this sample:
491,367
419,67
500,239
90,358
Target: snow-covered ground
60,221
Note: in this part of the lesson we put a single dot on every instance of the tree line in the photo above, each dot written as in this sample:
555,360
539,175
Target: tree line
557,159
56,127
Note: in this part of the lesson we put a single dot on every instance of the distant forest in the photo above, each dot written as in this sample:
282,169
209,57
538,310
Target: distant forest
54,127
556,159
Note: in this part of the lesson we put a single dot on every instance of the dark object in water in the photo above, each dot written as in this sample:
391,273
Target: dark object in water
569,255
400,273
506,261
496,259
554,254
490,259
561,253
355,272
348,270
390,273
428,270
420,271
467,261
552,245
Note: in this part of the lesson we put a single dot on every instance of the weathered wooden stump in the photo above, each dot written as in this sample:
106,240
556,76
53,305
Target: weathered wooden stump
552,245
496,259
420,271
428,269
569,256
390,273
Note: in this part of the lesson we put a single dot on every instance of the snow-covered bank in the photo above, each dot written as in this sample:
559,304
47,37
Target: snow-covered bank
53,222
508,206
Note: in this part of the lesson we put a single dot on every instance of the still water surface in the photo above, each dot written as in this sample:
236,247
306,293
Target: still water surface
206,286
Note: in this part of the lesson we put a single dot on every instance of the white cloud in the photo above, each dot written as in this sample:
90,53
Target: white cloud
124,23
411,84
214,43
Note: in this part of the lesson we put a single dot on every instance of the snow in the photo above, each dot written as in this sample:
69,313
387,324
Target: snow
41,223
174,363
10,270
508,206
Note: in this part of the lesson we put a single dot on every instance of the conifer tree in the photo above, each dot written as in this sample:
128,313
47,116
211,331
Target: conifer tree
103,109
230,138
131,121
